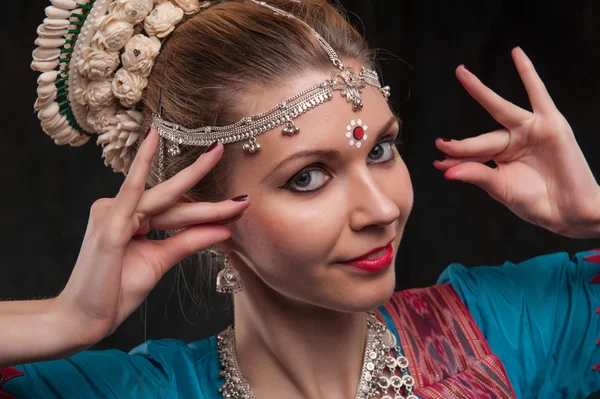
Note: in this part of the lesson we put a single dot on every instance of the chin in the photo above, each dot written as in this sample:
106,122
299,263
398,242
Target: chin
362,296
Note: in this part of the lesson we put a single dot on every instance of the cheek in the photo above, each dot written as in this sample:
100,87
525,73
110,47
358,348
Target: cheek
287,235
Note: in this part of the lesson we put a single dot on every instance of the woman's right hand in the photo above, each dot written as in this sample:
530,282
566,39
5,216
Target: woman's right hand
118,266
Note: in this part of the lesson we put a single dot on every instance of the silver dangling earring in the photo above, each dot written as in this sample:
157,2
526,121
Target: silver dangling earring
229,280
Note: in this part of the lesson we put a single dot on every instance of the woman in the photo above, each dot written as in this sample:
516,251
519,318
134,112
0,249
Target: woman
277,106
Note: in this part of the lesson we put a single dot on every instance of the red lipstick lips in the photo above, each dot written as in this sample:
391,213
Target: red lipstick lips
375,264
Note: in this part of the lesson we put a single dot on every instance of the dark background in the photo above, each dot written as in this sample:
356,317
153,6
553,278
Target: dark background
47,190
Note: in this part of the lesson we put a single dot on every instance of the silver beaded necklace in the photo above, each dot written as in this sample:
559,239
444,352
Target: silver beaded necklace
382,353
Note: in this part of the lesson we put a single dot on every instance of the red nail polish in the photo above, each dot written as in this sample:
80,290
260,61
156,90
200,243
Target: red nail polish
241,198
598,341
446,140
596,367
212,147
598,310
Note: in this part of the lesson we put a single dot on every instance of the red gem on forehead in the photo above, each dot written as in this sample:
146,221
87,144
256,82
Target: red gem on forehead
359,132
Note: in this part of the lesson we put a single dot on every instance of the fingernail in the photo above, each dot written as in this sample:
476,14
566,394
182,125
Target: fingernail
212,147
464,66
441,159
445,139
241,198
147,131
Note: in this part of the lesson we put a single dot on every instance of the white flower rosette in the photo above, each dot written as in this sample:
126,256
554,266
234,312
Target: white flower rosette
191,6
95,94
113,33
103,119
140,53
162,19
132,11
128,87
98,94
97,64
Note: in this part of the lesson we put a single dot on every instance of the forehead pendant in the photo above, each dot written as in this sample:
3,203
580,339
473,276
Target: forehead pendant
352,84
356,131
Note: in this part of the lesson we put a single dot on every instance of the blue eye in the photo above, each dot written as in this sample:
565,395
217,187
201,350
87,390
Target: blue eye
383,151
310,179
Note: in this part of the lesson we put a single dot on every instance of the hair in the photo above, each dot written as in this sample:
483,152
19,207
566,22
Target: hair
229,49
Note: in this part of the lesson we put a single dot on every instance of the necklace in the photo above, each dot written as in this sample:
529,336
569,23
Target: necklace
382,355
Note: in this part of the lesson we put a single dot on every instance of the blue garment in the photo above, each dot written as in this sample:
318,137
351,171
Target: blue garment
538,317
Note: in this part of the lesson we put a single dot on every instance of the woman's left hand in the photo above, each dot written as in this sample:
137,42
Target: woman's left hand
541,174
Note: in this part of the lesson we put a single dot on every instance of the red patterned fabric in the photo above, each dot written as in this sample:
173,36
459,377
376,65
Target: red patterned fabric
5,375
448,355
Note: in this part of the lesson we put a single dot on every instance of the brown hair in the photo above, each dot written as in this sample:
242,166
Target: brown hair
226,50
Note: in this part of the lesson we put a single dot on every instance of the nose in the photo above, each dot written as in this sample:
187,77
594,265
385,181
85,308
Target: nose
371,203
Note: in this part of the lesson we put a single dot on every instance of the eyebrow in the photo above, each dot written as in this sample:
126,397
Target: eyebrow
330,153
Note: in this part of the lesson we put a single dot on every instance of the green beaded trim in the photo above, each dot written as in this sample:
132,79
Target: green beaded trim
76,19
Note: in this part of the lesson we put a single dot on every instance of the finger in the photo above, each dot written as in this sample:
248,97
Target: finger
164,195
188,242
183,215
133,187
489,179
506,113
536,90
447,163
484,145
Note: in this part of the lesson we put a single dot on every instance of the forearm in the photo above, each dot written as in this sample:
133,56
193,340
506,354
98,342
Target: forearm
33,331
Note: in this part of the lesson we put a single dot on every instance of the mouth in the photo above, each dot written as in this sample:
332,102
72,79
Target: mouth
375,260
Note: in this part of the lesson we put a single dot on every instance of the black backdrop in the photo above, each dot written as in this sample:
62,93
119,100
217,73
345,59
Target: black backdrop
47,190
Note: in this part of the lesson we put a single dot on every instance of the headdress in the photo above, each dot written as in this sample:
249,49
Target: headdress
96,56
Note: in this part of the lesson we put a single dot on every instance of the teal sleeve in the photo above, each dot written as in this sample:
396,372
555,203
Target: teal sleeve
539,317
165,368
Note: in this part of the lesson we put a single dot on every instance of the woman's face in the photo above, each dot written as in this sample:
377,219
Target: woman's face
316,200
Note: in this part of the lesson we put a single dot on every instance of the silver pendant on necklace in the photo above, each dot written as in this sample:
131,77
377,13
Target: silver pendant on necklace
381,352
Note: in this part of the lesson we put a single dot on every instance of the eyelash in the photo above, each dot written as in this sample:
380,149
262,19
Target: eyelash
394,144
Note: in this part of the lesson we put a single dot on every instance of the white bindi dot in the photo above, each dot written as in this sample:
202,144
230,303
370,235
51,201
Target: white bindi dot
359,122
351,142
365,137
358,144
365,127
348,134
348,127
353,123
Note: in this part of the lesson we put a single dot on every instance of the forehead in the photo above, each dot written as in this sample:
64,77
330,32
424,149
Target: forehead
322,128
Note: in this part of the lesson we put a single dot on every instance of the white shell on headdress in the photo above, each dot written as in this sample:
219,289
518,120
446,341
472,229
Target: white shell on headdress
47,77
57,13
79,141
55,125
48,111
44,66
46,54
50,42
46,90
44,31
64,4
56,24
44,102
